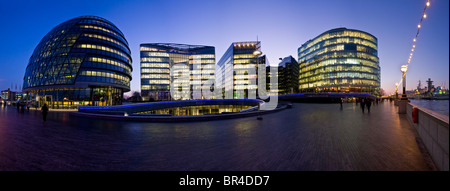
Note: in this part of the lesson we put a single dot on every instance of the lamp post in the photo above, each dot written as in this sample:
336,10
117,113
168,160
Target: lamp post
257,53
404,100
404,68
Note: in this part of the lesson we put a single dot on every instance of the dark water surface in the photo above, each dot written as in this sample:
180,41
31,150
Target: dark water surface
440,106
306,137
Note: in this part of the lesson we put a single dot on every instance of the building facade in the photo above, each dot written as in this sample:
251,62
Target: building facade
237,71
176,71
288,73
83,61
8,95
272,73
340,60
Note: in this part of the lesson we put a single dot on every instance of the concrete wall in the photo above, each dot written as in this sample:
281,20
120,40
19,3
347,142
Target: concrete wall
433,130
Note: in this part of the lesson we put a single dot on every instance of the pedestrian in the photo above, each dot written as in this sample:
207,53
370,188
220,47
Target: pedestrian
44,112
342,100
22,107
368,104
362,104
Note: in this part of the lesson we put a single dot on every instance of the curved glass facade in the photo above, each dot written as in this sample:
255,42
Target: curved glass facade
83,61
340,60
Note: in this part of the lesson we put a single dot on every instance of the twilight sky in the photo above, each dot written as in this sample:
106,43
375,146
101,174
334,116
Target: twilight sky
281,25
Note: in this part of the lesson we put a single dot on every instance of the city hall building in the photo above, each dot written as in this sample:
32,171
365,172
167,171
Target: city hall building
83,61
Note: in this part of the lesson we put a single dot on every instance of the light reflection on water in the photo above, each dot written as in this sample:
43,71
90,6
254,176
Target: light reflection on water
440,106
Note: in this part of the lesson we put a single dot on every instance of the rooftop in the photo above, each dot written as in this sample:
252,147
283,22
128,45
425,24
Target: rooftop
180,47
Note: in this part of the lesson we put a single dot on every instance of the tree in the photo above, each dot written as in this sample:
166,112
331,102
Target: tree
135,97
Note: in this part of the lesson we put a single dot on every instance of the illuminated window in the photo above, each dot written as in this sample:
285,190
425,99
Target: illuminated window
339,57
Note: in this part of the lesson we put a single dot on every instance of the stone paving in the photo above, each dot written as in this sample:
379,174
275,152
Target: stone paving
308,137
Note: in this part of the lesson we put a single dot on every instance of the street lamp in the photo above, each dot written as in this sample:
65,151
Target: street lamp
404,68
257,53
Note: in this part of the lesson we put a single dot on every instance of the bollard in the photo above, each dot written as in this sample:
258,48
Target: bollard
415,115
259,112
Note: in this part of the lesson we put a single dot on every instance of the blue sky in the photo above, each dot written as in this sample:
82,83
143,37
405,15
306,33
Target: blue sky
281,25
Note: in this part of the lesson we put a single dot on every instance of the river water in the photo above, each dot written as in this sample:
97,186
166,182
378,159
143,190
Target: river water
440,106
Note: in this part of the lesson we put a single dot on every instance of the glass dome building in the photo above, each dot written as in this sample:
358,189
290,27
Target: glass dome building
340,60
83,61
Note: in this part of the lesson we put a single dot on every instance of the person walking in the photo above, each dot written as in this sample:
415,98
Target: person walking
362,104
341,101
44,112
368,104
22,107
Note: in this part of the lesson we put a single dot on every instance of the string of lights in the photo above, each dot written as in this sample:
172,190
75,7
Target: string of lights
424,15
419,26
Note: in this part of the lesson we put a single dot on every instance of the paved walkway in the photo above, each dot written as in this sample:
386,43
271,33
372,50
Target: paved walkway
306,137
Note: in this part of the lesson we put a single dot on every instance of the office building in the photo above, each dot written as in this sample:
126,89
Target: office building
340,60
177,71
288,72
237,71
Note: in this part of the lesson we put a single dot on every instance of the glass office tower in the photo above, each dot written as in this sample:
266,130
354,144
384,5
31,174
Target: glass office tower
176,71
288,72
340,60
234,78
83,61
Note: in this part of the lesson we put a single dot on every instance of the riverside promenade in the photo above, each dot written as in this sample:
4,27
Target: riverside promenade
308,137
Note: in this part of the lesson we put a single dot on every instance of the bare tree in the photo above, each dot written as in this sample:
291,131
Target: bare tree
135,97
